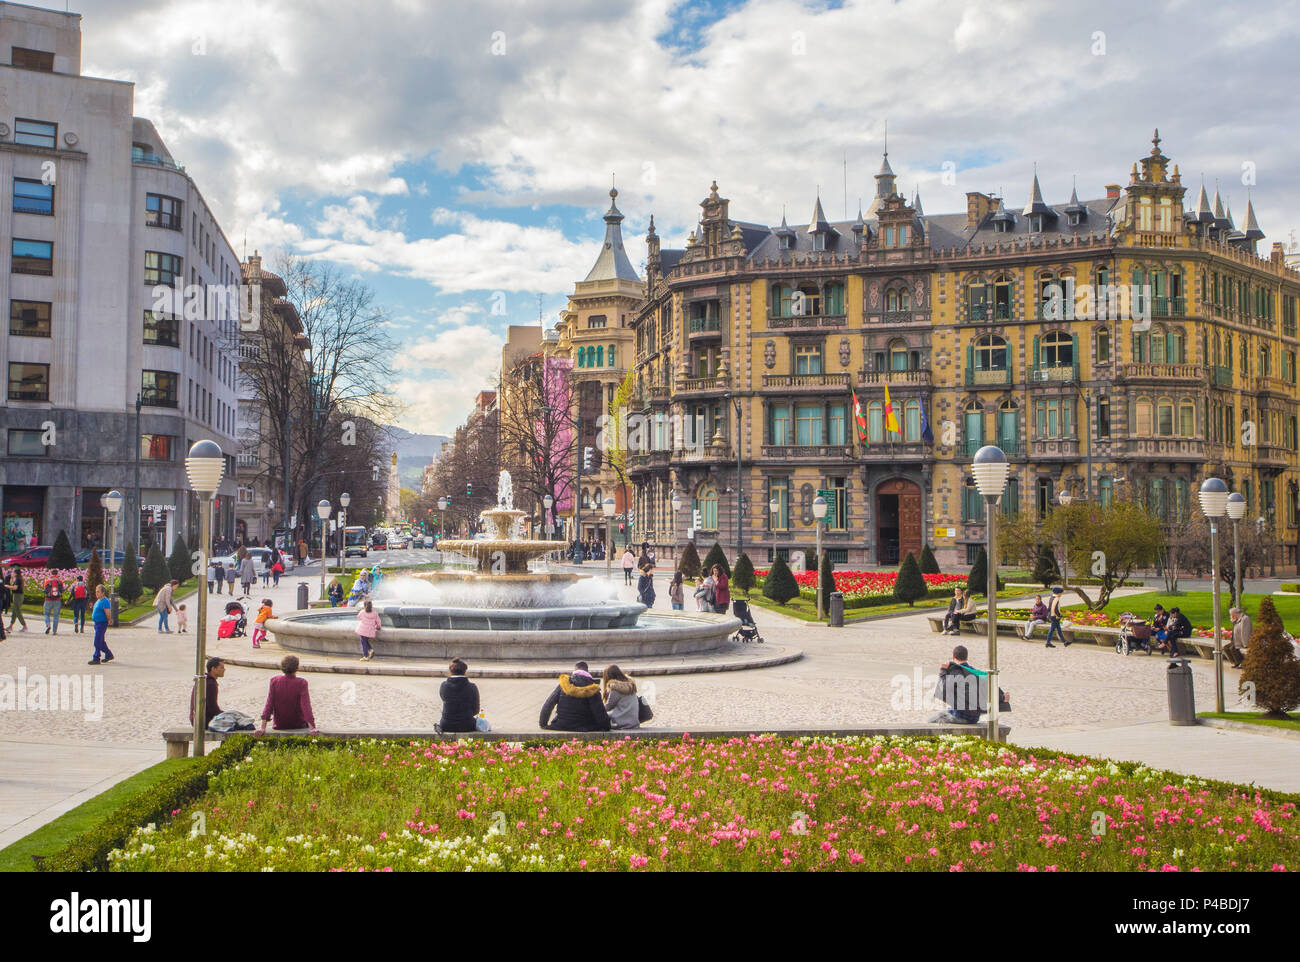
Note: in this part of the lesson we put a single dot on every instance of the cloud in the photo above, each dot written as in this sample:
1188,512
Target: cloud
441,374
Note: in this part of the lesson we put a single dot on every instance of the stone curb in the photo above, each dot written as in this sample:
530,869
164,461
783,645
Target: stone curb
1237,726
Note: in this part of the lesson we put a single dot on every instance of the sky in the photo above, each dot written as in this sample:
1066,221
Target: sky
458,156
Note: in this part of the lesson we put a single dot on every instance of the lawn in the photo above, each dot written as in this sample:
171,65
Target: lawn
51,837
805,608
952,803
1198,606
1253,718
34,607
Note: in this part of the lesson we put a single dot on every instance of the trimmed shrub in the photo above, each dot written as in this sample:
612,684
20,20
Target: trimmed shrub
1046,571
128,583
810,561
910,586
717,556
689,563
155,573
180,563
62,556
779,585
929,566
742,578
94,574
978,579
1271,665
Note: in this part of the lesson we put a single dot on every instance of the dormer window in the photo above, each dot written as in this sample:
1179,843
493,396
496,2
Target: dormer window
1074,219
785,242
819,241
1036,223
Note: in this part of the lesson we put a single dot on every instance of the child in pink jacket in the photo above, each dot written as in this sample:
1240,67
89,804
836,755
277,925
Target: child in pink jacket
367,628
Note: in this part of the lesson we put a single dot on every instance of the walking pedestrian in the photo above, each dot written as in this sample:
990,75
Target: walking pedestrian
676,595
162,602
80,598
53,601
277,566
16,588
182,619
721,591
645,586
215,576
99,620
231,575
629,562
247,573
368,625
1054,617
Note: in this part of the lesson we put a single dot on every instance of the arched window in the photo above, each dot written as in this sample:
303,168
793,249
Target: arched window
990,353
898,355
1245,358
1058,349
582,357
706,502
611,356
1177,352
1186,418
1102,340
600,356
1008,426
1002,297
1265,361
1157,336
973,422
911,420
978,300
1142,417
812,299
891,300
1165,417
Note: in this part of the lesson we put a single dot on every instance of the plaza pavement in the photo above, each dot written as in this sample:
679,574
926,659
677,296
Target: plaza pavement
1083,699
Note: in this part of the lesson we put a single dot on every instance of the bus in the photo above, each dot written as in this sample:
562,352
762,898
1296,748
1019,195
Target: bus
355,541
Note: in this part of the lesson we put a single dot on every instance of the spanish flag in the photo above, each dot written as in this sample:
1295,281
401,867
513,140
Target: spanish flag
891,422
859,418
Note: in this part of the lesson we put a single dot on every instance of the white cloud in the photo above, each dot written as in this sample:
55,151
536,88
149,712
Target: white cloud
441,374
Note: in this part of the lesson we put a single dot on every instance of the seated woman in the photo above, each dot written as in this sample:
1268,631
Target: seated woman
1037,616
967,612
335,593
288,701
621,700
360,588
1159,626
459,700
954,606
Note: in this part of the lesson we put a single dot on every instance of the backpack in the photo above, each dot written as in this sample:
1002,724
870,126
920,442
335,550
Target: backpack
54,590
79,590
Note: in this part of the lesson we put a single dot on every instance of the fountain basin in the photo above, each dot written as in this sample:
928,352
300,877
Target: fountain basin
332,632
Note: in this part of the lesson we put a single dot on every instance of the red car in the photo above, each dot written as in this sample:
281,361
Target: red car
31,558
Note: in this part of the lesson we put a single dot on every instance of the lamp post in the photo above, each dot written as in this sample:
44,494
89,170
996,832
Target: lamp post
1236,511
204,467
676,505
322,512
345,499
607,506
740,483
1064,499
1214,504
991,468
103,532
819,515
547,503
773,508
113,504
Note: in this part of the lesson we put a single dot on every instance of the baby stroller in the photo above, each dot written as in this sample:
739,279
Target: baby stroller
235,621
748,631
1134,634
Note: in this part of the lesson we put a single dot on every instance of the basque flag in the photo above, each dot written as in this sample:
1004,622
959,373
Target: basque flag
859,419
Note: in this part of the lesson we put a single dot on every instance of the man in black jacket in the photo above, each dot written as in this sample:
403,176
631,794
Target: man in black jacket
1178,627
577,704
459,700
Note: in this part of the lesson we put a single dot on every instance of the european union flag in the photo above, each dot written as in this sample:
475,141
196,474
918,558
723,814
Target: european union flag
926,434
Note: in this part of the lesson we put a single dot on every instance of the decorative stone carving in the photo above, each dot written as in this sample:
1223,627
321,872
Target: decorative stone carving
769,355
844,352
875,295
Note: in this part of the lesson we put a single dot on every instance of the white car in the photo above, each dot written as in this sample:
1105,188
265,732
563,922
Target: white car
261,560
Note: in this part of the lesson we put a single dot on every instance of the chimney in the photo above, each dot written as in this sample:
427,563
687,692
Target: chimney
1112,191
978,207
1278,254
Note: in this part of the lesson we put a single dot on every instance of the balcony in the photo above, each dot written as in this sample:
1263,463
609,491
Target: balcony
988,312
153,160
1011,447
804,321
805,382
985,377
1167,449
1162,372
1168,306
1054,373
897,317
1048,449
1273,385
704,325
649,460
1272,455
710,453
1221,376
898,451
703,385
806,452
248,459
917,378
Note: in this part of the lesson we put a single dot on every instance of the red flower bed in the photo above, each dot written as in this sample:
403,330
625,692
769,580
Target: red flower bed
864,584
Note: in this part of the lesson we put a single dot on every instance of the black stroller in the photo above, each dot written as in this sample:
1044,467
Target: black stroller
235,623
1134,635
748,631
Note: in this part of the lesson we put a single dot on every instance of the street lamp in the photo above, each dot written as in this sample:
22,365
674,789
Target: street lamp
204,467
819,515
547,503
103,533
113,504
774,508
1236,511
322,512
1214,504
991,468
345,499
607,506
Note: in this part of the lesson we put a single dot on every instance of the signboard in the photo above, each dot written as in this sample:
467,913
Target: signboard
798,561
945,532
829,495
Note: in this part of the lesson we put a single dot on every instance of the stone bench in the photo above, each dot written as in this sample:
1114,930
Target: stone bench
1097,634
177,740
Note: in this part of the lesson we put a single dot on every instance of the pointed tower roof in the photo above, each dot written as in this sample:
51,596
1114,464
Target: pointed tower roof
785,230
1251,228
1220,218
1074,207
884,185
859,225
1232,226
1204,213
819,221
612,262
916,202
1036,205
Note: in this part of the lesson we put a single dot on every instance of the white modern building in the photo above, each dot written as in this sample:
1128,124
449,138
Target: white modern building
109,385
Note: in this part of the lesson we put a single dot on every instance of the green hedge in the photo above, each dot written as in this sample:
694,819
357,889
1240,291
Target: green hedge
875,601
1290,586
89,852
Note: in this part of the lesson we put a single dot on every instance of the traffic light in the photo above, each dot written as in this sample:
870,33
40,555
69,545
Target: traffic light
469,490
586,460
631,517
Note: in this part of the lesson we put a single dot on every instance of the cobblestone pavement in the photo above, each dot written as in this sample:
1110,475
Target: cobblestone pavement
878,672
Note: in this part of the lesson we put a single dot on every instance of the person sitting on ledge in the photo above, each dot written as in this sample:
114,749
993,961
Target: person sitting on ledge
459,700
577,704
961,689
216,668
287,700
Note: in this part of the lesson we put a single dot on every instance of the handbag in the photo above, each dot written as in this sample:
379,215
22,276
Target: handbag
643,710
482,724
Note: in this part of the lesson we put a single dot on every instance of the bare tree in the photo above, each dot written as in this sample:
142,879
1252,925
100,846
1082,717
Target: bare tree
537,429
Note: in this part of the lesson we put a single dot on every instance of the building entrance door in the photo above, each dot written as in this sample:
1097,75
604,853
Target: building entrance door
898,521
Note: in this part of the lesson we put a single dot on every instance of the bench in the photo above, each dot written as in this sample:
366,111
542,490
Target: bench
177,740
1101,635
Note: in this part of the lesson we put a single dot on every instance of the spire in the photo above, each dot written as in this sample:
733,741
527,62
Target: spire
818,222
1204,213
1220,219
884,185
859,225
1075,210
916,201
1035,205
612,262
1251,227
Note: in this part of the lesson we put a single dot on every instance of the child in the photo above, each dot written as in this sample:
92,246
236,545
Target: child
259,623
182,619
266,577
367,628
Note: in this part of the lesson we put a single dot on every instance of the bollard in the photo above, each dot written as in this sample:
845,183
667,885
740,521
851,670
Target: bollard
837,609
112,611
1182,696
302,595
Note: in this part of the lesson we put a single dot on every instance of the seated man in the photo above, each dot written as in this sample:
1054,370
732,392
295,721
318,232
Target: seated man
1178,627
1037,616
963,689
577,704
460,705
216,668
1235,650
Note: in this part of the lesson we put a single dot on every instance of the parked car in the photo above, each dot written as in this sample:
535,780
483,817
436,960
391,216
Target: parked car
83,557
261,559
31,558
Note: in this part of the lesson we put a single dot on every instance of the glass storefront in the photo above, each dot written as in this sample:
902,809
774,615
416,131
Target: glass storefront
24,508
92,517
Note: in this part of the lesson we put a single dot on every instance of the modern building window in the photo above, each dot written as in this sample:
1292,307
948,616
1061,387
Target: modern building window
837,426
808,359
163,211
32,257
165,269
36,133
29,382
27,443
157,447
162,329
28,59
780,424
33,196
779,489
808,424
29,318
159,389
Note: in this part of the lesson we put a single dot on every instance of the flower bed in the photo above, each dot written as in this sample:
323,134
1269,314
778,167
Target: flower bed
764,803
1099,619
862,584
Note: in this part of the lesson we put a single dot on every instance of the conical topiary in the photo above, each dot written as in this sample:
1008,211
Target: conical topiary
780,585
929,566
978,579
1046,571
910,585
826,581
61,555
810,561
128,583
1271,669
155,573
742,578
94,573
180,563
717,556
689,563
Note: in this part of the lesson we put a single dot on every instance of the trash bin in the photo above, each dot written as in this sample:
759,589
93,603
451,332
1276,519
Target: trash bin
112,612
837,609
1182,696
302,595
